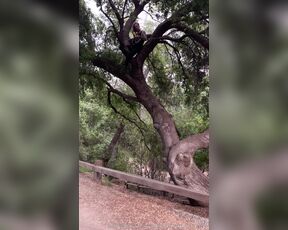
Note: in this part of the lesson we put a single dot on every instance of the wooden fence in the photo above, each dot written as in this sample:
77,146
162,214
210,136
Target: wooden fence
154,184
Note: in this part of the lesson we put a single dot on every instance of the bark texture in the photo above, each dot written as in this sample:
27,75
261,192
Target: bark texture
110,155
181,161
178,153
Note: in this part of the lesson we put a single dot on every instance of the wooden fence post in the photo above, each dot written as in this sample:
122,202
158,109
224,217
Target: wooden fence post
97,176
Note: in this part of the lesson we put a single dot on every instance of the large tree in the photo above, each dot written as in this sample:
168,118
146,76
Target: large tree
182,33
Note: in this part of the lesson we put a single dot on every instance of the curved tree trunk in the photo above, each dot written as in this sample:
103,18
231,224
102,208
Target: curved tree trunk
178,153
181,161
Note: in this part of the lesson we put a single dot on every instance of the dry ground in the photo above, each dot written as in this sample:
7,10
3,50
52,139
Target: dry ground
103,207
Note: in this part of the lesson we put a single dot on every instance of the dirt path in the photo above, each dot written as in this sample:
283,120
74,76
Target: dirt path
114,208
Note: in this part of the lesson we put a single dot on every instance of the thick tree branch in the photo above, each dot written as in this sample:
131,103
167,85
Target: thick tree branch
154,40
192,34
124,33
180,39
172,22
183,152
193,143
200,140
125,97
136,3
157,37
114,68
110,66
161,29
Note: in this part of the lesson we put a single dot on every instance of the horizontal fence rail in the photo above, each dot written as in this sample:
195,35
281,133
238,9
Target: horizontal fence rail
154,184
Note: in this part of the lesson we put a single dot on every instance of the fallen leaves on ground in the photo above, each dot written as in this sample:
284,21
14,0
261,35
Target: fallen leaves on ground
116,208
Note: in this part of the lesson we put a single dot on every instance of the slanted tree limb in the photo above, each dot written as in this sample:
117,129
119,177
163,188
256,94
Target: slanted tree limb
110,66
127,118
109,156
179,40
192,34
174,21
124,32
125,97
153,41
193,143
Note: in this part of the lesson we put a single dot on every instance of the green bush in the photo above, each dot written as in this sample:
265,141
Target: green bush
84,170
201,159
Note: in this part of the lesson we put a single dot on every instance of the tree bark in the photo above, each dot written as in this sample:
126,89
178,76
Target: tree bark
110,155
178,153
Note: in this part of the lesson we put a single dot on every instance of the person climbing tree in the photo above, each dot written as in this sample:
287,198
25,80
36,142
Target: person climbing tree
139,37
180,35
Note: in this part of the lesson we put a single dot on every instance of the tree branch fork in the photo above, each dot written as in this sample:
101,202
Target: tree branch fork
180,155
122,28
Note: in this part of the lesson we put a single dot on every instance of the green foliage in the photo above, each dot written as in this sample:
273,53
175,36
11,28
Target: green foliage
161,82
113,56
189,121
87,29
94,116
166,74
176,72
166,8
105,181
84,170
201,159
122,162
98,124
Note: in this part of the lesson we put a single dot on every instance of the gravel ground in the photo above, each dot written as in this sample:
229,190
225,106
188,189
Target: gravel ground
103,207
